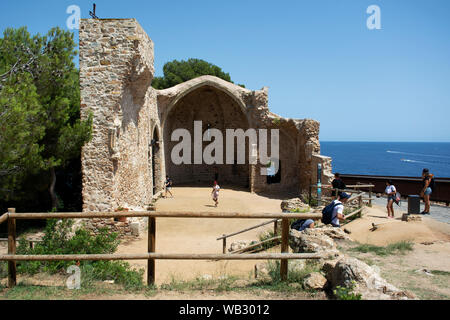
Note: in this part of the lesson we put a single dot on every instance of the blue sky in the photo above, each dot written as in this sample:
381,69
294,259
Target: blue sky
318,57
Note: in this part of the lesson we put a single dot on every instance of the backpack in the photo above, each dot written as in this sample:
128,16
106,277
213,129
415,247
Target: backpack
327,212
297,224
432,185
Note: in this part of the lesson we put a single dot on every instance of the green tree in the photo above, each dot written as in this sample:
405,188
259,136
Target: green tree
38,79
176,72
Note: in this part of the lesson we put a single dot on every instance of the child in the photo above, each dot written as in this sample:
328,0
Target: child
215,193
168,185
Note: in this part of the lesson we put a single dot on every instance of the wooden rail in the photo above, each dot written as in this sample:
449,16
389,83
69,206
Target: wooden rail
355,188
226,236
255,245
151,255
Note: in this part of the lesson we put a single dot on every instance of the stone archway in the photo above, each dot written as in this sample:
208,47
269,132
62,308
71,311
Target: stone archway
217,109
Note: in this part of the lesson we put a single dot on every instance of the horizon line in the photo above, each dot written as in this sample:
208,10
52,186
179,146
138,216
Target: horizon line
383,141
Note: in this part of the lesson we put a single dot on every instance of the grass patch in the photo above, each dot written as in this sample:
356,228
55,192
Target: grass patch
398,247
219,285
296,275
440,273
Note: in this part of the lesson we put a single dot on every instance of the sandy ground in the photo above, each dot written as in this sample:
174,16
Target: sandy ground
394,230
198,235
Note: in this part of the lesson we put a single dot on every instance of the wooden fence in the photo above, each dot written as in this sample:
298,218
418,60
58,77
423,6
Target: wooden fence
151,255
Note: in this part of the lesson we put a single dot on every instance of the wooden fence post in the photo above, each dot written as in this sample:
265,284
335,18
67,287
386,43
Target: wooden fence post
360,201
284,247
275,227
12,280
224,244
151,248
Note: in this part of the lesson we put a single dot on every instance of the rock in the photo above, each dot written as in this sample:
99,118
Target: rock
237,245
411,217
332,232
293,204
261,271
135,229
312,242
348,271
315,281
206,277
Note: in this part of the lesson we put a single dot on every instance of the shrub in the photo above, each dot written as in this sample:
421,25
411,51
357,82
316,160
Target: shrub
58,241
346,293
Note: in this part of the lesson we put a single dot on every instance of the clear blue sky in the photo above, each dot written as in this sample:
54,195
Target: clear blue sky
318,58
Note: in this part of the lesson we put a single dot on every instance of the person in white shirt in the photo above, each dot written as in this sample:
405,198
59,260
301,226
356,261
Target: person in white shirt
390,191
215,193
338,210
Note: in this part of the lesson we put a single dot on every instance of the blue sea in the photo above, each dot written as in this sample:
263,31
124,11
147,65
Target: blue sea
389,158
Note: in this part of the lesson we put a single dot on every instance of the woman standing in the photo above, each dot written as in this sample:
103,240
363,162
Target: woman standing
390,191
215,193
428,185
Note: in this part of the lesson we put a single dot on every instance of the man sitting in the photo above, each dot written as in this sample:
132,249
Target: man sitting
302,224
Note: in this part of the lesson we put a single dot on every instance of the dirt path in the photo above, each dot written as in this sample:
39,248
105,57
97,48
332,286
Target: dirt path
395,230
198,235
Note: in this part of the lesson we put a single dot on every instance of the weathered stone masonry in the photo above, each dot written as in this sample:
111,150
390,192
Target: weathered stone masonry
126,162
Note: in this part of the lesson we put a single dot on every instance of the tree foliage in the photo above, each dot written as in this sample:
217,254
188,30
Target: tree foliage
40,126
176,72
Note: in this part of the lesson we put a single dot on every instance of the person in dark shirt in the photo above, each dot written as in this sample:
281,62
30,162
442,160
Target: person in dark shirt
168,187
427,189
337,183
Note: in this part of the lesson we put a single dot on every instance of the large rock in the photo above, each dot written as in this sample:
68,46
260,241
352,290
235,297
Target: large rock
293,204
329,231
315,281
347,272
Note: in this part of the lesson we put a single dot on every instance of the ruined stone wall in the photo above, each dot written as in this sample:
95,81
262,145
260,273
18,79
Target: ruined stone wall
116,70
130,151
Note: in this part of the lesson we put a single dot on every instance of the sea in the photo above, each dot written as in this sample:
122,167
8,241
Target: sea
389,158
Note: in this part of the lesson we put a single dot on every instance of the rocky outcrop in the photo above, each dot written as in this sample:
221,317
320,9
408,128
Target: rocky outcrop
340,270
312,241
293,204
347,272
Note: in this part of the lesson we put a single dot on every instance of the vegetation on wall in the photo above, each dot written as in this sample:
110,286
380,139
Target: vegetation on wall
176,72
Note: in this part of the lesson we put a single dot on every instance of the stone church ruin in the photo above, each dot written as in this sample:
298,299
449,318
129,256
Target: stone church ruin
128,158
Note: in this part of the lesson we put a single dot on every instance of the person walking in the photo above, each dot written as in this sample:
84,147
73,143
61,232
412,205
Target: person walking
168,187
215,193
427,189
391,192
